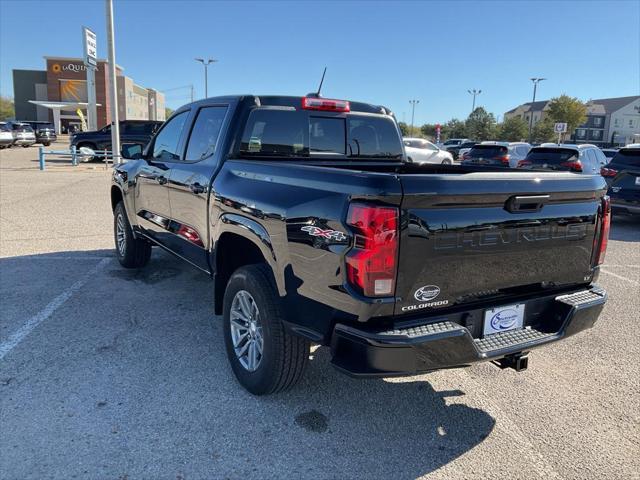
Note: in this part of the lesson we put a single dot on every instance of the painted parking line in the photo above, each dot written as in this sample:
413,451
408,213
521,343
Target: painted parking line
621,266
17,337
620,277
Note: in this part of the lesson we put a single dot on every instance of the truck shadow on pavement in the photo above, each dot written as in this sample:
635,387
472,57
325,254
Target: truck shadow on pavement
135,364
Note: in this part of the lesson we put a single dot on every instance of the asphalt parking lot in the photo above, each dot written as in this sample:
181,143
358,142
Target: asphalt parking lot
114,374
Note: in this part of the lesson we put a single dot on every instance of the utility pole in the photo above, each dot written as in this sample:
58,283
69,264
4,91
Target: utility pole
413,103
475,93
535,81
191,93
113,88
206,63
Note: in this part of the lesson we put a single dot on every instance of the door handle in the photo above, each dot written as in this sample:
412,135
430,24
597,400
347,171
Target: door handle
526,203
197,188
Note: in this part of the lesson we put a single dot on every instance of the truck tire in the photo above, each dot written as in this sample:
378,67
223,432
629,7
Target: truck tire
264,356
131,252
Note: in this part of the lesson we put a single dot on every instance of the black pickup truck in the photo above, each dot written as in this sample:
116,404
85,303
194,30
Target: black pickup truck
316,230
131,131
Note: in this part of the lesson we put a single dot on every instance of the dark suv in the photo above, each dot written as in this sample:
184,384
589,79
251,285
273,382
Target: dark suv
131,131
623,177
455,149
45,132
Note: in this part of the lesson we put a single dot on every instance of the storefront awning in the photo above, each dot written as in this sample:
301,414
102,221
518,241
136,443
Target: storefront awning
56,107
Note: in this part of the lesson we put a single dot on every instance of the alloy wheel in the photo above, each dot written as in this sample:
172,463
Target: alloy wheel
120,235
246,331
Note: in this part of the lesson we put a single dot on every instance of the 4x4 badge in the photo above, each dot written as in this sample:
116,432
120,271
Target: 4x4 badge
319,232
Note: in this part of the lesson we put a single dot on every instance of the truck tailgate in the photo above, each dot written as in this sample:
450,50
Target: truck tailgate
470,237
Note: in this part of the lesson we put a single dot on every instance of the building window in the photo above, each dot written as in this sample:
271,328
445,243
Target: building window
597,121
616,122
631,122
596,134
581,133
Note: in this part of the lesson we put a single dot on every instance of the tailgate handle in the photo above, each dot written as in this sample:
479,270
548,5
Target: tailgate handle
526,203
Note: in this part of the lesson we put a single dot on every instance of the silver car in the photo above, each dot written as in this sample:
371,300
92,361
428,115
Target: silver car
6,137
419,150
23,134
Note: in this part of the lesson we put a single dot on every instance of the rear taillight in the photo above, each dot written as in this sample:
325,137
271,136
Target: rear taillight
605,225
311,103
575,166
503,158
372,262
608,172
523,163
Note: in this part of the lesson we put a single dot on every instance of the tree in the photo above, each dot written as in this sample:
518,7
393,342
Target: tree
543,131
566,109
454,128
513,129
428,130
7,110
481,125
404,129
167,112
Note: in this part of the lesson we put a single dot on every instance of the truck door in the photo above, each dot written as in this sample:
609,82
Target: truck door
152,197
189,185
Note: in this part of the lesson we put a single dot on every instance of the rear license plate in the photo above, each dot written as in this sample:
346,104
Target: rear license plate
503,319
637,180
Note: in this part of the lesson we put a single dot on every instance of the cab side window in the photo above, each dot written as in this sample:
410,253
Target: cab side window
204,135
165,147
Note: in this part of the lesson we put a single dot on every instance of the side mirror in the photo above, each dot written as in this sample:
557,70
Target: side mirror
131,151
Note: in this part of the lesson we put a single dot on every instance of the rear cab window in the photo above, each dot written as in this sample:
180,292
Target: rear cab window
552,156
289,132
487,151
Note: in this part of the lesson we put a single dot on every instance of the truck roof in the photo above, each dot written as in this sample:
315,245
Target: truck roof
287,101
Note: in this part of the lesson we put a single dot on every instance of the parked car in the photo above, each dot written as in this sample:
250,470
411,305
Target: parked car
586,159
23,134
45,132
131,131
623,177
6,137
609,152
316,230
462,152
455,142
420,150
501,154
454,150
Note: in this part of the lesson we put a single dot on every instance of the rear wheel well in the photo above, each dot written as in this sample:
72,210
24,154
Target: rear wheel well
232,252
116,197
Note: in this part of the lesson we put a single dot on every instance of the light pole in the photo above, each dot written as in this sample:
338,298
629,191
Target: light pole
475,93
535,81
413,111
113,88
206,63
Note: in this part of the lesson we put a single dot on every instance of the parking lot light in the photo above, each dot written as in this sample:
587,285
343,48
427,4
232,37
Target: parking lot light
206,63
535,81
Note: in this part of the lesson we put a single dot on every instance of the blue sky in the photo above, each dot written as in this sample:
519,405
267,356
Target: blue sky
381,52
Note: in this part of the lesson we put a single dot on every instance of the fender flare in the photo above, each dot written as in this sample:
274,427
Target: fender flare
256,234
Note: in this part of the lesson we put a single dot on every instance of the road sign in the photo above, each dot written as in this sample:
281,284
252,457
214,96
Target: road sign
90,47
90,43
560,128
